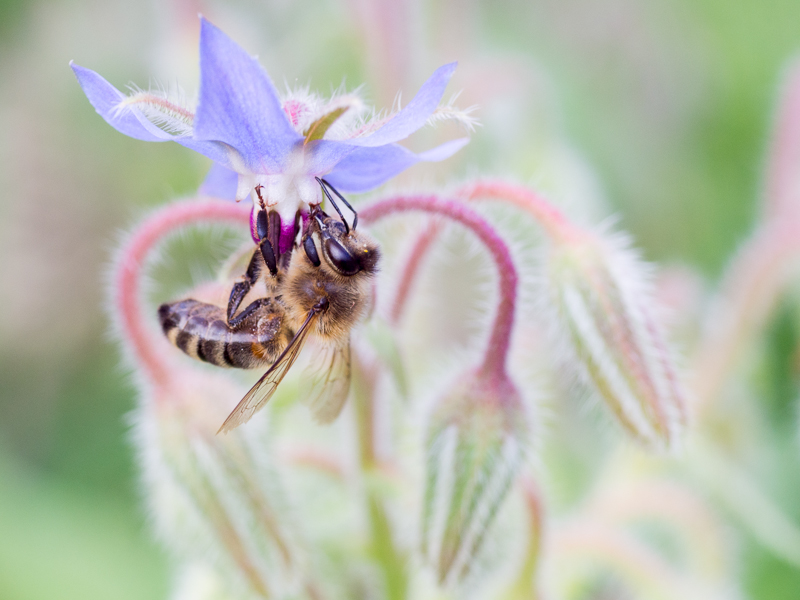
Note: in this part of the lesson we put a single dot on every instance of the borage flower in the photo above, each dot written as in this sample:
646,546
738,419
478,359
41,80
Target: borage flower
259,142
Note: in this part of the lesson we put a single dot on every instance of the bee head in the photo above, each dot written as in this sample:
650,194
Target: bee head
347,251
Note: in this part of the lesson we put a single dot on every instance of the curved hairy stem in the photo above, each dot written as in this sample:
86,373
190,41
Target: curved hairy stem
136,329
549,217
494,361
552,220
756,277
782,183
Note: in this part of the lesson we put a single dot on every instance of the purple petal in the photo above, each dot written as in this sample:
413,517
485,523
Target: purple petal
327,153
367,168
129,120
220,182
239,105
415,114
106,100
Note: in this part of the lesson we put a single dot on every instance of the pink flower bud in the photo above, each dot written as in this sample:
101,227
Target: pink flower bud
605,315
474,446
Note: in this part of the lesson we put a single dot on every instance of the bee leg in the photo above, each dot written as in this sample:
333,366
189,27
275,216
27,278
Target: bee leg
251,308
240,288
267,250
268,253
311,250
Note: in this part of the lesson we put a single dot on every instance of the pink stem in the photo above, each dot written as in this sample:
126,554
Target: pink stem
128,276
783,180
549,217
756,276
751,288
494,362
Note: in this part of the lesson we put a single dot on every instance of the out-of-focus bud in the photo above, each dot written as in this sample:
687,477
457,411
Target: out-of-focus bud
199,582
612,530
606,317
215,499
474,448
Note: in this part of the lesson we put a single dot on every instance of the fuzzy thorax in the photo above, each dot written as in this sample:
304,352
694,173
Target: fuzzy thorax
348,296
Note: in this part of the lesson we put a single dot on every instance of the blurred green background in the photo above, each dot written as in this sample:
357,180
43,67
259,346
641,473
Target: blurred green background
670,102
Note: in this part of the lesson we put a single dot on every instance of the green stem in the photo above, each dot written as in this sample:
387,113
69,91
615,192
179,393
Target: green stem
524,588
390,558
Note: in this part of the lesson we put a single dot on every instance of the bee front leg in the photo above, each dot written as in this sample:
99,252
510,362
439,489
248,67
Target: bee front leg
267,253
263,230
240,288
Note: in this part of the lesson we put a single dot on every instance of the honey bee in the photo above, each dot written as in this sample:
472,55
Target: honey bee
322,291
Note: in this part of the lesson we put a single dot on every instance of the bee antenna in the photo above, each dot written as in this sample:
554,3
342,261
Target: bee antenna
336,206
346,203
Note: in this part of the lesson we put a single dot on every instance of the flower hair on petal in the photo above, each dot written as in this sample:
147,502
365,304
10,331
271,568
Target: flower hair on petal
167,109
465,117
258,140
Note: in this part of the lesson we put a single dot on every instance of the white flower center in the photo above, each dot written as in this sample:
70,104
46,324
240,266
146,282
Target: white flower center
286,192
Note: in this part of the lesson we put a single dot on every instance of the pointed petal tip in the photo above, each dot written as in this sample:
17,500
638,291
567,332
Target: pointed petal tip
92,82
402,124
206,28
211,35
449,68
238,104
105,99
78,70
205,23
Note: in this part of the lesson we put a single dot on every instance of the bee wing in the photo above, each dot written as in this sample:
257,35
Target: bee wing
265,387
326,380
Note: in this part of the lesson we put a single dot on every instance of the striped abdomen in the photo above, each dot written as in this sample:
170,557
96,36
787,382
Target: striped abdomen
202,332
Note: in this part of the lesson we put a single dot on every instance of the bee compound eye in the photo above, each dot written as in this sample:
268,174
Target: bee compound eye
340,258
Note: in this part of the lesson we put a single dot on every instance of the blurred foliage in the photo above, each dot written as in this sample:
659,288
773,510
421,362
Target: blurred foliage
674,122
781,374
65,539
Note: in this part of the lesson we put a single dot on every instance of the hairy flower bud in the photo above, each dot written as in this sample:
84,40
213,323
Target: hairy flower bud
474,448
605,313
215,499
199,582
